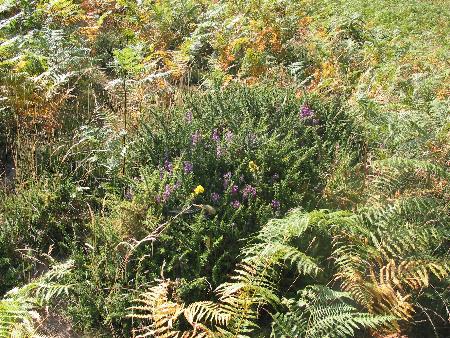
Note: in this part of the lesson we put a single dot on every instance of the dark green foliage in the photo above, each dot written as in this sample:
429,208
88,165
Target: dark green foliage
227,168
231,129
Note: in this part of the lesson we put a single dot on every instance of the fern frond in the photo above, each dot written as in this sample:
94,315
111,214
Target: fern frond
158,310
400,175
395,252
161,314
207,311
18,315
323,312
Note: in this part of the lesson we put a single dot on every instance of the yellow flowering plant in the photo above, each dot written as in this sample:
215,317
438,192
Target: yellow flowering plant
252,166
199,190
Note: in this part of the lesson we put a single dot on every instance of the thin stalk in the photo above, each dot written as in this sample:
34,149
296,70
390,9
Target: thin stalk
125,125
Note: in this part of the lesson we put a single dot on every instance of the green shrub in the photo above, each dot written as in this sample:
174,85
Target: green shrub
257,152
38,220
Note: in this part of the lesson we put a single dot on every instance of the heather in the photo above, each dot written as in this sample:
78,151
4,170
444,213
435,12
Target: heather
182,168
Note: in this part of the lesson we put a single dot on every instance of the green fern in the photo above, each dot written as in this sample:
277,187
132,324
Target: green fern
18,310
273,246
323,312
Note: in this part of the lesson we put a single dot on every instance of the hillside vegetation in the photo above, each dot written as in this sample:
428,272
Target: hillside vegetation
259,168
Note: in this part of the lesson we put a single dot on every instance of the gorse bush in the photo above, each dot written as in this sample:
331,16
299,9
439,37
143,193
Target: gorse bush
256,153
252,168
258,136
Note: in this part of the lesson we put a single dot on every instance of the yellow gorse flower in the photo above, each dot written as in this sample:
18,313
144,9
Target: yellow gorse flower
199,190
252,166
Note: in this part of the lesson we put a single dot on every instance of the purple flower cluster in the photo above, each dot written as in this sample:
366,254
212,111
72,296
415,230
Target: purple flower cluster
248,191
168,190
236,204
275,204
234,189
306,112
226,180
168,166
215,197
188,167
166,193
215,135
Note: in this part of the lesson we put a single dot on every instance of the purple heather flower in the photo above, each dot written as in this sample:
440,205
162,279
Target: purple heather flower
187,167
158,199
305,112
215,135
275,204
226,179
234,189
235,204
168,166
248,190
196,137
166,193
228,136
189,116
215,197
176,185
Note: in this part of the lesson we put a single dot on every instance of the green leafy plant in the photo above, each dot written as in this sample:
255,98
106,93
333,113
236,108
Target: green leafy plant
322,312
19,314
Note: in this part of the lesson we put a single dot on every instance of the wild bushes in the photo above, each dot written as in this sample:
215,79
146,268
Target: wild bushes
390,258
262,149
255,152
